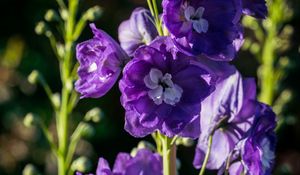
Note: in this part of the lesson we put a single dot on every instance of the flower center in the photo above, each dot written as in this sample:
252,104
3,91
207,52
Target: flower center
195,16
266,153
162,88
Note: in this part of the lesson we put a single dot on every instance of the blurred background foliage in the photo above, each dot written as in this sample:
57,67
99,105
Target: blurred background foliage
21,51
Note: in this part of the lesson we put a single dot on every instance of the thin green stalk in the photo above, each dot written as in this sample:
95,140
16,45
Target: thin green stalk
206,156
168,154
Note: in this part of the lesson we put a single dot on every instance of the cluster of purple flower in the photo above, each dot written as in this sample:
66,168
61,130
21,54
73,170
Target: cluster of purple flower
182,84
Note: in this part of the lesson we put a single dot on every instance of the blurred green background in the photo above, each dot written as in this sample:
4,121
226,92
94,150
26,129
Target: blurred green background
21,51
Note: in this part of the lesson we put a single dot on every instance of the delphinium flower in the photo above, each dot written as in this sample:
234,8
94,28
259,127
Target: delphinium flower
101,60
162,89
137,31
207,27
255,154
255,8
226,116
144,162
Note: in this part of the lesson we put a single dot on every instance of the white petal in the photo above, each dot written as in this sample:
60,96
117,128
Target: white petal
149,83
199,12
155,75
156,95
189,12
201,25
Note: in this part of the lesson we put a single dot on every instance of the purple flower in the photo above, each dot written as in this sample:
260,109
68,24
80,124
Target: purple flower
137,31
254,155
145,162
208,27
227,115
162,89
255,8
101,60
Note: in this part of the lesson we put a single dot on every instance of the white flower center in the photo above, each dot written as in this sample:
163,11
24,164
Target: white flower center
92,68
162,89
195,16
266,153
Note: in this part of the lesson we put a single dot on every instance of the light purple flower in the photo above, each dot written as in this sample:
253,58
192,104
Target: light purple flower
227,115
137,31
255,154
145,162
101,60
208,27
162,89
255,8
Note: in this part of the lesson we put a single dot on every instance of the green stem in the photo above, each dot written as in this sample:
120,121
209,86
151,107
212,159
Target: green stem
207,155
169,155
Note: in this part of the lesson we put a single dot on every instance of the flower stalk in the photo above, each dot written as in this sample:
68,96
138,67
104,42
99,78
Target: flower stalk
202,171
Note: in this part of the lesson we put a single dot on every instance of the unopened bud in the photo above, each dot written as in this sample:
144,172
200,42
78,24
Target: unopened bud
33,77
69,85
40,28
187,142
30,170
56,100
51,15
29,120
144,144
64,14
133,152
60,50
93,115
82,164
93,13
87,130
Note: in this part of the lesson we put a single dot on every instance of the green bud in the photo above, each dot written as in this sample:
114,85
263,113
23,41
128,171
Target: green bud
64,14
144,144
87,130
60,50
69,85
187,142
29,169
93,115
82,164
41,28
56,100
33,77
133,152
29,120
93,13
51,15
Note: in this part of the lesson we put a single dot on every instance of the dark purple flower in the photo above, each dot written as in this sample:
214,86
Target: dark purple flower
162,89
208,27
227,115
254,155
137,31
145,162
101,60
255,8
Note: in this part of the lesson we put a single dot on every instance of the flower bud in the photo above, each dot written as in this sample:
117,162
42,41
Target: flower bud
86,130
41,28
144,144
69,85
33,77
51,15
133,152
29,120
56,100
187,142
64,14
93,115
82,164
29,169
93,13
60,50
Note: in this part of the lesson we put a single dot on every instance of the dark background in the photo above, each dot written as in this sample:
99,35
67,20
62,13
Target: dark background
20,146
